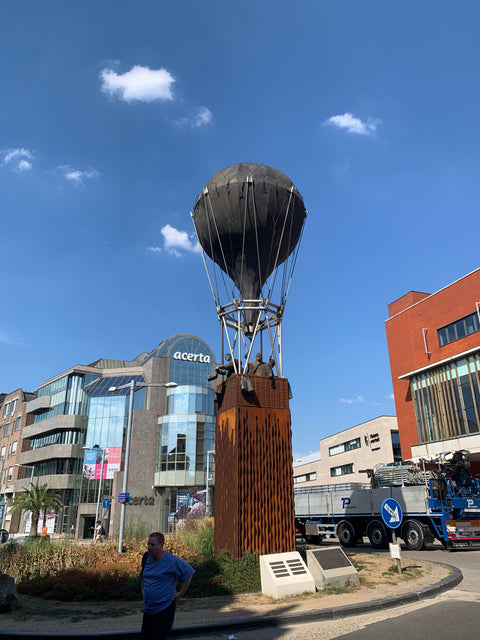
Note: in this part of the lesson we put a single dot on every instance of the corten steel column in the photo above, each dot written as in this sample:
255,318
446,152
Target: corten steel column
254,508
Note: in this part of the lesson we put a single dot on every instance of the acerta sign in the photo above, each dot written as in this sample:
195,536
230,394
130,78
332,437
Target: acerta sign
192,357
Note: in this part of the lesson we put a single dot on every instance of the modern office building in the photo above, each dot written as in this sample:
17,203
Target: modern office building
75,432
434,347
345,454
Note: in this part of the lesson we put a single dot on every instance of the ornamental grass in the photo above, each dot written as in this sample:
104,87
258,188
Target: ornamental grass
66,570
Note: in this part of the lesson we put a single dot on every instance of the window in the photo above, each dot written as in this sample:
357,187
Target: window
343,470
17,423
7,428
446,400
6,409
13,448
2,453
350,445
397,452
306,477
458,329
57,437
14,405
9,474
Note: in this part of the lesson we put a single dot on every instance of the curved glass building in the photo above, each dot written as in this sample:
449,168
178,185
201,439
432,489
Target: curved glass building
75,432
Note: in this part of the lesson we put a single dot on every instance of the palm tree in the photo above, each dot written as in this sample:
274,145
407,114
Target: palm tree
36,499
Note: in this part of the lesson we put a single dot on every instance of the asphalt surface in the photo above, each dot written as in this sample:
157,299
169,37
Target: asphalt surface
451,614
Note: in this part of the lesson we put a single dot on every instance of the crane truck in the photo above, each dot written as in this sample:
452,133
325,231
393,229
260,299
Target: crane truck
438,497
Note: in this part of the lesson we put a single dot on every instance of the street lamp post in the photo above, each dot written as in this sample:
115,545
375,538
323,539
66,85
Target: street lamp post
132,385
102,449
207,487
100,486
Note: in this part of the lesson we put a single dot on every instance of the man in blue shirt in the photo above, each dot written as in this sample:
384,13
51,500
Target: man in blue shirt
160,573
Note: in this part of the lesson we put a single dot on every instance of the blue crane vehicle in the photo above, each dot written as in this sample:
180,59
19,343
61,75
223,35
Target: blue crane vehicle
438,497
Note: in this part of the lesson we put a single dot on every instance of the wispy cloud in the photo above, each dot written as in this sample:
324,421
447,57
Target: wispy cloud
177,242
353,124
352,400
6,338
140,83
19,159
75,176
200,119
390,396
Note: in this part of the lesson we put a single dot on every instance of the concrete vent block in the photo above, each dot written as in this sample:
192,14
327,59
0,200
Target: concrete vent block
331,568
285,574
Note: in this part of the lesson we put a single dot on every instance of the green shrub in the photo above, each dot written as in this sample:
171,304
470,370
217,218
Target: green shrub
135,530
196,535
223,575
108,582
205,541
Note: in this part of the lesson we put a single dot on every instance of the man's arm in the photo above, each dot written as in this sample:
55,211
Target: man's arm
183,588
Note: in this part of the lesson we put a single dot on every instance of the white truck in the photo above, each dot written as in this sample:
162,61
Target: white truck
442,503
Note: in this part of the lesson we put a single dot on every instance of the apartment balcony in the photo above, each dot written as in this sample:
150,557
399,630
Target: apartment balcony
54,423
38,404
57,482
50,452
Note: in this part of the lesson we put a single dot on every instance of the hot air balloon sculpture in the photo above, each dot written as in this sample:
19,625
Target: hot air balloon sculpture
249,220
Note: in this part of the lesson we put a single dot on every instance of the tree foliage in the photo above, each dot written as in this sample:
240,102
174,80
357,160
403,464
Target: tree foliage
36,499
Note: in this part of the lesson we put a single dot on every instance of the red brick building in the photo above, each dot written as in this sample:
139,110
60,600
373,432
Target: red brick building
434,347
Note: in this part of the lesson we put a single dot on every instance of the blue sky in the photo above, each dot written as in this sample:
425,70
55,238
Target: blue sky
114,115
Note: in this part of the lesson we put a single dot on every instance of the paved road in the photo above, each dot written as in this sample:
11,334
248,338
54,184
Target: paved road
455,613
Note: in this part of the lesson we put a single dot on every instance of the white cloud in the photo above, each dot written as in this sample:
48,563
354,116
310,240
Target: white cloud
390,396
140,83
17,158
353,125
155,249
77,177
177,242
24,165
202,118
6,338
352,400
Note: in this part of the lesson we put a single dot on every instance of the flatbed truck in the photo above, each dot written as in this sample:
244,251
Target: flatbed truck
441,503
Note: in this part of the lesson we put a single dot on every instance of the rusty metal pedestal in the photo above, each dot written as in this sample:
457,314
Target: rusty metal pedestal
254,508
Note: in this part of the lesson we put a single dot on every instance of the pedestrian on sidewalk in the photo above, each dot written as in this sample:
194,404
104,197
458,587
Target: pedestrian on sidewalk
98,532
161,571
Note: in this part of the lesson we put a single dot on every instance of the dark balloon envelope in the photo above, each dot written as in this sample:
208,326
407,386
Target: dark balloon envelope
249,219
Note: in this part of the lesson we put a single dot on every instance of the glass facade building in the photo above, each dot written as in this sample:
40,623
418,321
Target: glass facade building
186,433
84,412
185,436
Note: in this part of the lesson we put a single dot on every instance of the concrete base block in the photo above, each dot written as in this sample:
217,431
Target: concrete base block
285,574
330,567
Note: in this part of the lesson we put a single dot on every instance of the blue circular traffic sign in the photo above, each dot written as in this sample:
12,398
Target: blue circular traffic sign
391,513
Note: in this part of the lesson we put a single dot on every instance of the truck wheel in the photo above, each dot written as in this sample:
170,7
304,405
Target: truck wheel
413,536
377,535
346,534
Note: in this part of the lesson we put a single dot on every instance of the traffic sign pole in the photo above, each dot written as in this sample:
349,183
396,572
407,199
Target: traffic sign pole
394,541
392,516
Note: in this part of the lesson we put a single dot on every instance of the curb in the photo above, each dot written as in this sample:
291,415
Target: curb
332,613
